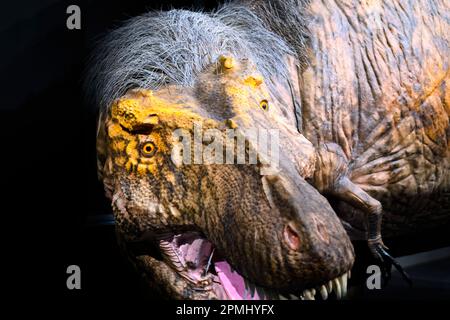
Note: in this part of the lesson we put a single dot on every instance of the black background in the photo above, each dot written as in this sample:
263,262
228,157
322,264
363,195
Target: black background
50,186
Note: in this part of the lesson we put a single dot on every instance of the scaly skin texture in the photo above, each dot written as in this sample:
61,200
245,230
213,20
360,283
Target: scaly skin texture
250,212
375,98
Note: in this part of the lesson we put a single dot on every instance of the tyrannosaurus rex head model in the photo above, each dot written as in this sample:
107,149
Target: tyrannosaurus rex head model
207,180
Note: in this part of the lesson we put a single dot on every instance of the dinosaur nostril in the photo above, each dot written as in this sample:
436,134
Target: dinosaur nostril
291,237
322,231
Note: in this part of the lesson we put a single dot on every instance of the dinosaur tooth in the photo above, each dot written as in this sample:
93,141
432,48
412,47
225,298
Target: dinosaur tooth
337,288
329,286
323,292
343,283
261,293
245,297
308,295
250,288
305,294
293,297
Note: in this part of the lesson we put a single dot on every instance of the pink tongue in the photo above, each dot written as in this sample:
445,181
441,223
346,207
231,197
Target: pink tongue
233,283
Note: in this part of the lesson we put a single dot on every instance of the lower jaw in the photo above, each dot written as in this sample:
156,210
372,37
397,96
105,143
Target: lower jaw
191,259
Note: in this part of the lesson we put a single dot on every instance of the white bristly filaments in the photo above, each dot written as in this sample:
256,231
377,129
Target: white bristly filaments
174,47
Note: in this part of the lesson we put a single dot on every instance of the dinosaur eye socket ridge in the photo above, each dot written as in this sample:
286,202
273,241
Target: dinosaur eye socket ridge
148,149
264,104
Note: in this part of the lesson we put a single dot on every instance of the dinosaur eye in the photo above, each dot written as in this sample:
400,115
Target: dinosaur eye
264,104
148,149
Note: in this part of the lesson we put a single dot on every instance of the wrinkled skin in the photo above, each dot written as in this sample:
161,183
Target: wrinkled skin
376,94
269,224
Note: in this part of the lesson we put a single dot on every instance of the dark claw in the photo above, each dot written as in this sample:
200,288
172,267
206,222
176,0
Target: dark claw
386,265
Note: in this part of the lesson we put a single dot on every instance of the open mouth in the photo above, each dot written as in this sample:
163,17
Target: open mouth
195,259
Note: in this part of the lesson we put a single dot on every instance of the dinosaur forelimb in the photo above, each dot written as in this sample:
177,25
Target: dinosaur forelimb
331,177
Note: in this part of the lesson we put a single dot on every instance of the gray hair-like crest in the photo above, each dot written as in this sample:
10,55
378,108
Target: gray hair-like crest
173,47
